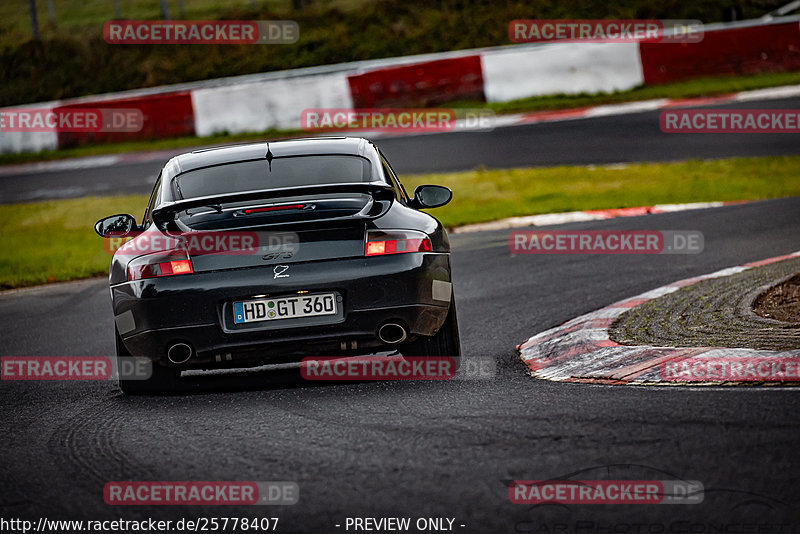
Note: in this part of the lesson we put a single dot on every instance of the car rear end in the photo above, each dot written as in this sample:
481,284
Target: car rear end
329,269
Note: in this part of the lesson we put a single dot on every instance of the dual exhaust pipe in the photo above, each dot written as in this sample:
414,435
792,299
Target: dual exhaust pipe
392,333
179,353
389,333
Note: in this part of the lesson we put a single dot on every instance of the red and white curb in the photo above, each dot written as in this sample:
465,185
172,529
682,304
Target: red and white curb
580,350
549,219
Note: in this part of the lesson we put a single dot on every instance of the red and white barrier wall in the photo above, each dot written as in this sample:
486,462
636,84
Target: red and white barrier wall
269,104
740,50
256,103
560,68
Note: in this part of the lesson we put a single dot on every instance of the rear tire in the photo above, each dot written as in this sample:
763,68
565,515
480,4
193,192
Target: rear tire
445,342
163,379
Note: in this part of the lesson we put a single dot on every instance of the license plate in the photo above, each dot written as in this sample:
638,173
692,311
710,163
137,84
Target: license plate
250,311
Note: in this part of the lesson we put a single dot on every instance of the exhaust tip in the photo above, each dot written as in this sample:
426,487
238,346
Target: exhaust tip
179,353
392,333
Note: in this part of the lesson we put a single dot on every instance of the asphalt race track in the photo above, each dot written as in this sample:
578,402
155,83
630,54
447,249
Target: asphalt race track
612,139
426,449
421,449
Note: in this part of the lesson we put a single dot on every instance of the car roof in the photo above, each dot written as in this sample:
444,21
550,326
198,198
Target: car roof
355,146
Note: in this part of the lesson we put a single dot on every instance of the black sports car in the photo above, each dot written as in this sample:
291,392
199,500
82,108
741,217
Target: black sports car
269,252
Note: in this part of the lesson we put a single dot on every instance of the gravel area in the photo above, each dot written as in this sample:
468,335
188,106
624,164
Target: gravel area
720,313
781,302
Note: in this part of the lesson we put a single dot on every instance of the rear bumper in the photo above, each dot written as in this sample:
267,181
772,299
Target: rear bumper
196,309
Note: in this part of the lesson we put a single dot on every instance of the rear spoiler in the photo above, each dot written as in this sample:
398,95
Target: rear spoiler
166,212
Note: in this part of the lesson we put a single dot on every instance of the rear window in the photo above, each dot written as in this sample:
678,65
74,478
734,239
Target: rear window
296,171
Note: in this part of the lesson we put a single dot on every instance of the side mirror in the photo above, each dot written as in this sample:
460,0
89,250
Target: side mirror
431,196
115,226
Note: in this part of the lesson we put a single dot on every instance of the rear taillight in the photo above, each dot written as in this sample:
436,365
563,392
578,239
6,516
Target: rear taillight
159,264
380,243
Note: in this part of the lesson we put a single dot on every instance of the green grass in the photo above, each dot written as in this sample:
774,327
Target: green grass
79,17
486,195
72,59
86,16
685,89
54,241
